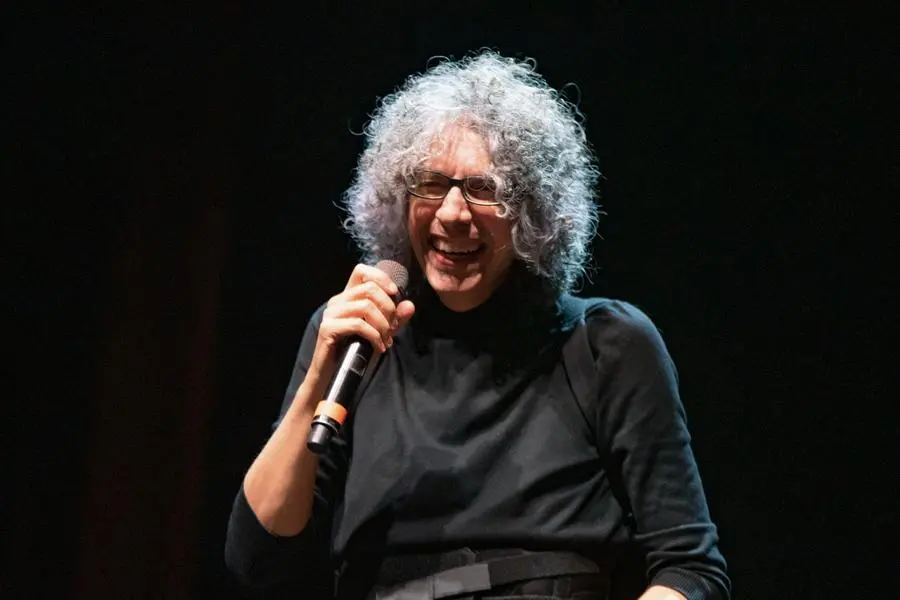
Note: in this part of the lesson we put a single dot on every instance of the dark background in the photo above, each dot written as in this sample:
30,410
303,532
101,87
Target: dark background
171,225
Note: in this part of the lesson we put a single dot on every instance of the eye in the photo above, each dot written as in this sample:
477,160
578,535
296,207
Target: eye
481,188
429,185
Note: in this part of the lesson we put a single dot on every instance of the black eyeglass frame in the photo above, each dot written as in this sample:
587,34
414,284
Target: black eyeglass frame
460,183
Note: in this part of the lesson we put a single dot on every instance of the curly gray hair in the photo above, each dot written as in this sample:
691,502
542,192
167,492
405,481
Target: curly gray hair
543,166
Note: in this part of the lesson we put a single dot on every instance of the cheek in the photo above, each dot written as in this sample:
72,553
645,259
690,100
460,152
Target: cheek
416,225
501,232
505,257
420,215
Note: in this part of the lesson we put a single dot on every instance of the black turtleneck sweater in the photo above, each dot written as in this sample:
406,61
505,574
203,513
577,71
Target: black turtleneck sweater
469,435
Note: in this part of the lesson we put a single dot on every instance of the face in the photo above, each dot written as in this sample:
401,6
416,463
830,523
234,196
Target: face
464,250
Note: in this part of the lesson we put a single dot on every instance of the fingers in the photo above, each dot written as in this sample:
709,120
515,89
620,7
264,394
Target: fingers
372,291
340,326
365,308
363,273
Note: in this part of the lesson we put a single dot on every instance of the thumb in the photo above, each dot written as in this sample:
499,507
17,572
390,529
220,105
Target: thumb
405,311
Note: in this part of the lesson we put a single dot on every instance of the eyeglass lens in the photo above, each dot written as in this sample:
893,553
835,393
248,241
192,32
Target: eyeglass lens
429,184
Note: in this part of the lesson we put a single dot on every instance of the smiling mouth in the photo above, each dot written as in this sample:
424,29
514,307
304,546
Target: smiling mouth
454,251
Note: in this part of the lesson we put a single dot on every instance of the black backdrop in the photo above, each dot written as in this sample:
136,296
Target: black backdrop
171,222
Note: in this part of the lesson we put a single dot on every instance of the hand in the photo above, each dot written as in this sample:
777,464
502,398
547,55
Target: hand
366,309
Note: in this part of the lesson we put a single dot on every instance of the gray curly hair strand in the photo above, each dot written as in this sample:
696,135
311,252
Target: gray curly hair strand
543,166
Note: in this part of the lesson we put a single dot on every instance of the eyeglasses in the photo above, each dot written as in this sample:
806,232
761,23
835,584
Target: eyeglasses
431,185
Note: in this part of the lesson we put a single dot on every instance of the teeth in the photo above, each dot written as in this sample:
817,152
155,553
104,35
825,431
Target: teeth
453,249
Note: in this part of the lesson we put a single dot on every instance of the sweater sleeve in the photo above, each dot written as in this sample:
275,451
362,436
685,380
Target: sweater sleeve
643,420
284,566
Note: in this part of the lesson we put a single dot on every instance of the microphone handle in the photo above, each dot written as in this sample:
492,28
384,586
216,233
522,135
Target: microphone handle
331,412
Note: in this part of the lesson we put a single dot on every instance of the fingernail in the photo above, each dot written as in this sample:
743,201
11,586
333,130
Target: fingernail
395,324
390,342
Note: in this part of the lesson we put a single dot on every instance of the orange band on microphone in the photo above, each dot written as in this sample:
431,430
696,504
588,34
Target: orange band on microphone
332,410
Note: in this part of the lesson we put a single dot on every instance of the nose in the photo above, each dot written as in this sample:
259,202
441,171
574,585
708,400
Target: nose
454,209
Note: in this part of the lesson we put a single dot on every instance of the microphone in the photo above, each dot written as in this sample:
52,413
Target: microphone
352,363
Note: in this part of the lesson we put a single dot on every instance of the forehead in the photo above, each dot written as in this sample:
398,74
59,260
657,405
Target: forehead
459,151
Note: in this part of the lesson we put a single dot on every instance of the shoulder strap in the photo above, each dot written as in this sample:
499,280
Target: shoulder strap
580,363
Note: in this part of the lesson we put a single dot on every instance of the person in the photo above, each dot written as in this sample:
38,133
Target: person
468,467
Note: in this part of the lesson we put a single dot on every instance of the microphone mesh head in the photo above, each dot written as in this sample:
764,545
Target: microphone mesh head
397,272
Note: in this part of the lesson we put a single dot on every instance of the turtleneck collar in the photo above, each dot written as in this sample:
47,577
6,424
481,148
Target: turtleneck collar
520,314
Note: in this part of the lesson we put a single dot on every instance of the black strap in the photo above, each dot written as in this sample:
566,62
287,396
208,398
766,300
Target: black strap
581,369
484,576
539,565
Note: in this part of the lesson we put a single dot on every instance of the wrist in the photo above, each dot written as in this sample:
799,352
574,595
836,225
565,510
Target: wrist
305,400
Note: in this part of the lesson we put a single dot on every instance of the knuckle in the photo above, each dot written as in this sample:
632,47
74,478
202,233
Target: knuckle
386,297
378,312
334,311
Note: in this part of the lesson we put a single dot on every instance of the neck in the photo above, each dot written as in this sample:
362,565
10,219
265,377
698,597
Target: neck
464,301
519,301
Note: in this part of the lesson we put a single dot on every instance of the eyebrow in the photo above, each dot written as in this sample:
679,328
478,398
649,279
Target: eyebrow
482,175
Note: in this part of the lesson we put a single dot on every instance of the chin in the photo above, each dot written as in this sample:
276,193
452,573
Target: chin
444,282
459,294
